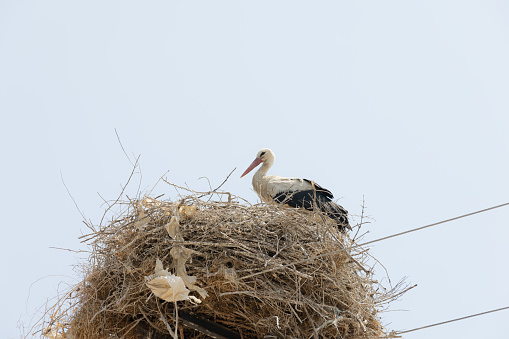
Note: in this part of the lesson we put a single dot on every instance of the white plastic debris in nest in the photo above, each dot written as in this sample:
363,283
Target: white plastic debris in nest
180,255
186,212
168,286
173,228
172,287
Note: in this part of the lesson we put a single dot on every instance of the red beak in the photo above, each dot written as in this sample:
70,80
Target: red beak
255,163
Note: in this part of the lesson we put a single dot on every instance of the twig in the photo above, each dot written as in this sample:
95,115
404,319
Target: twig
203,193
160,178
67,249
362,217
208,181
74,201
218,187
163,319
123,189
118,138
176,319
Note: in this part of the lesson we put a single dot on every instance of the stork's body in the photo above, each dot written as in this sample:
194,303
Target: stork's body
294,192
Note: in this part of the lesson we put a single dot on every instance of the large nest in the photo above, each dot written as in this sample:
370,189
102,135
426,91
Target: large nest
267,270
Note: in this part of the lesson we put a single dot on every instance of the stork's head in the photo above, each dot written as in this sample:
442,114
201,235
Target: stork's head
264,155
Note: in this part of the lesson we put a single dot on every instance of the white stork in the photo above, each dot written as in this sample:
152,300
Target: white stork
300,193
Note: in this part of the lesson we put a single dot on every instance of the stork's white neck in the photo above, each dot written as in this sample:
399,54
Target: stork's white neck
264,168
258,176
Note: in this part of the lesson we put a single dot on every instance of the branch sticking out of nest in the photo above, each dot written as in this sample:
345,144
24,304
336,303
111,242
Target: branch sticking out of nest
257,270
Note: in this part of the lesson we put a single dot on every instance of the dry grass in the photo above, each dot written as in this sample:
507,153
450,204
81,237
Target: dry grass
266,269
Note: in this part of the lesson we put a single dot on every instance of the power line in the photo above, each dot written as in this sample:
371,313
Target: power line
448,321
372,241
434,224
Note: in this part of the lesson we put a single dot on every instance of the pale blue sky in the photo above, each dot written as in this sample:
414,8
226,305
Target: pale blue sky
404,103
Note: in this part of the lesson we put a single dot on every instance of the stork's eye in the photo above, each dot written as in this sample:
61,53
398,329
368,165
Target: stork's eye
262,154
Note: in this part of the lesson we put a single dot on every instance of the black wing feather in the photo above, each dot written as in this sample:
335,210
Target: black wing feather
319,188
311,199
